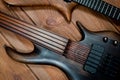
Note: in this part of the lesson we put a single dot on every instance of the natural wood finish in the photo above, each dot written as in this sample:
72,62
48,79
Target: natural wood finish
66,11
32,3
113,2
20,40
59,5
10,69
52,18
41,36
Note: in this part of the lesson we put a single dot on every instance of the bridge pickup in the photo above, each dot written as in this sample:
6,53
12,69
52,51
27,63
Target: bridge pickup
94,59
102,65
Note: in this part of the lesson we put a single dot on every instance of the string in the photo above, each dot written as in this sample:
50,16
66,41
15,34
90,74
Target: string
6,22
18,29
35,32
82,57
33,28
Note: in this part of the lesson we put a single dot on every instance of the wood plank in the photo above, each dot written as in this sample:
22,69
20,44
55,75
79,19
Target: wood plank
52,72
46,72
10,69
38,2
92,20
55,21
59,5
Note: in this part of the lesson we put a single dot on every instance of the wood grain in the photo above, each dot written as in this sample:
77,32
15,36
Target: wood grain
38,2
54,73
54,20
10,69
59,5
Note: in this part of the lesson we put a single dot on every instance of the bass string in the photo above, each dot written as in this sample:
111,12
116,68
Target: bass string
34,36
81,56
77,52
37,40
4,18
49,36
33,28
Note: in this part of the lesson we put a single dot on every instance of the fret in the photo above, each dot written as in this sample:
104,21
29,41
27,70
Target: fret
99,7
89,3
96,5
83,1
118,17
94,2
106,9
103,6
110,11
115,12
80,1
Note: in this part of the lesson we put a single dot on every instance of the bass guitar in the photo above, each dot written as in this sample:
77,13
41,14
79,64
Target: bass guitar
95,57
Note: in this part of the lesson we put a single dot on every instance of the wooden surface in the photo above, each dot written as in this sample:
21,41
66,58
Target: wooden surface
58,18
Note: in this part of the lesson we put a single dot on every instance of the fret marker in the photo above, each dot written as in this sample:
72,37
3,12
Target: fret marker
118,16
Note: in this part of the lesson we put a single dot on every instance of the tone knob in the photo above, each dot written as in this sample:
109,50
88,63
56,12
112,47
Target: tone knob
105,39
115,43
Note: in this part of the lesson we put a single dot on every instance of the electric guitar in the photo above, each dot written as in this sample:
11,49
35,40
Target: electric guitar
95,57
100,6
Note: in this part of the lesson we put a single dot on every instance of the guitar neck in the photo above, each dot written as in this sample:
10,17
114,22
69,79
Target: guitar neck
36,35
102,7
45,38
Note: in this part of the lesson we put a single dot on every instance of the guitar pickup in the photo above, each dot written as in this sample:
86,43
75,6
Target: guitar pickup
94,59
102,65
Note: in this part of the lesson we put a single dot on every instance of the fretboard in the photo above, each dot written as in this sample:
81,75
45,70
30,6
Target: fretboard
36,35
102,7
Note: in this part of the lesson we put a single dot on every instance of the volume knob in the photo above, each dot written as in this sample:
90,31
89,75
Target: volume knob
105,39
115,43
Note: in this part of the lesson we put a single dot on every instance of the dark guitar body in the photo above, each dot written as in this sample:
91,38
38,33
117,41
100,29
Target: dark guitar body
102,63
45,56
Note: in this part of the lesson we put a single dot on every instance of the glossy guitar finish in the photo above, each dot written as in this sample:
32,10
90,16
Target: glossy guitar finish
82,60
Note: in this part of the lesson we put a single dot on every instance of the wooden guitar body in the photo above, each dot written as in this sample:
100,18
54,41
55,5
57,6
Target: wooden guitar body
100,54
56,20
